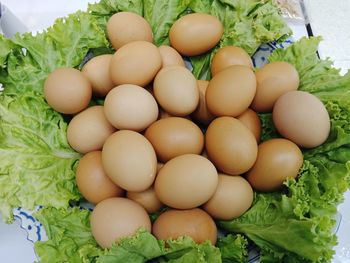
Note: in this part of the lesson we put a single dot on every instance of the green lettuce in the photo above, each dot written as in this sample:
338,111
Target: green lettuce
233,248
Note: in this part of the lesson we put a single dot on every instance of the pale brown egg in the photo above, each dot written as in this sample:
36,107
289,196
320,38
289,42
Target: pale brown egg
175,136
67,90
195,34
92,181
186,181
147,199
126,27
229,56
302,118
231,91
170,57
202,114
176,91
251,120
115,218
89,130
278,159
135,63
97,72
130,107
232,198
194,223
230,145
129,160
159,166
273,80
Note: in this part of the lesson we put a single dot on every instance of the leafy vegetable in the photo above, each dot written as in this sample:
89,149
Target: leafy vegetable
233,248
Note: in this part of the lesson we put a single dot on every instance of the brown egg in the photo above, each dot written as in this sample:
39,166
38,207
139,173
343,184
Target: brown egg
230,145
229,56
202,114
129,160
187,181
135,63
302,118
251,120
126,27
159,166
147,199
194,223
233,197
273,80
130,107
195,34
170,57
92,181
175,136
231,91
67,90
115,218
175,89
278,159
89,130
96,70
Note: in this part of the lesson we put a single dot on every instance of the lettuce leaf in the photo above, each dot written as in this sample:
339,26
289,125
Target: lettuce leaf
37,163
233,248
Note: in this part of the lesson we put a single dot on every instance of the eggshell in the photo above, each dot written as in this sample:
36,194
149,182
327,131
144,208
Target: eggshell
233,197
96,70
129,160
302,118
230,145
126,27
135,63
147,199
273,80
231,91
176,91
175,136
89,130
194,223
186,181
170,57
92,181
130,107
67,90
202,114
229,56
195,34
278,159
251,120
115,218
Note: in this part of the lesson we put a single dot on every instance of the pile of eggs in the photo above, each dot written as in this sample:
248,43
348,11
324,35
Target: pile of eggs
143,149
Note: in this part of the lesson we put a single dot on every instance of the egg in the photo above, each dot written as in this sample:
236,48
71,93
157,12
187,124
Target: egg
278,159
96,70
232,198
92,181
194,223
130,107
195,34
273,80
170,57
302,118
202,114
229,56
230,145
251,120
147,199
186,181
89,130
129,160
115,218
135,63
126,27
175,136
176,91
67,90
231,91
